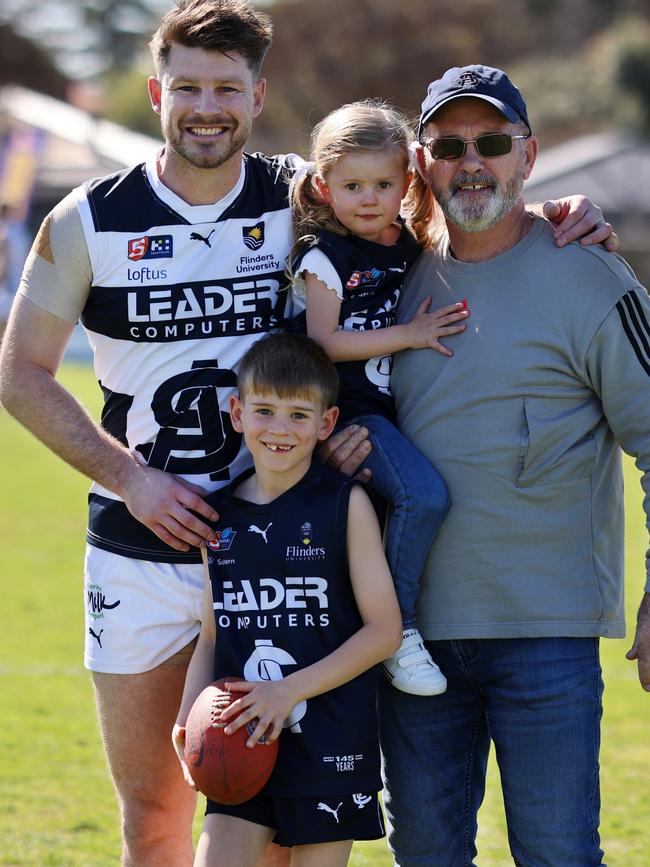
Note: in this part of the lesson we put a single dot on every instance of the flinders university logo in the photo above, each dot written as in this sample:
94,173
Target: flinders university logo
253,236
304,551
223,540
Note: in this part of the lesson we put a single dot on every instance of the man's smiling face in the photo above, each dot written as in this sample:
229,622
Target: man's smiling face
207,102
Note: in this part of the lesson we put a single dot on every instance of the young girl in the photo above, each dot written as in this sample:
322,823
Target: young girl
349,265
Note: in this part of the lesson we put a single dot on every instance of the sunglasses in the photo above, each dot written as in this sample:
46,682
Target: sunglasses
493,144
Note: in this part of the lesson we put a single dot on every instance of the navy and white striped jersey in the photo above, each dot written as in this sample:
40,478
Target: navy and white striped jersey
179,293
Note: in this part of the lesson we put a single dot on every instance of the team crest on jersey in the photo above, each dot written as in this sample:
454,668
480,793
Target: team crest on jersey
369,279
151,247
305,551
253,236
223,540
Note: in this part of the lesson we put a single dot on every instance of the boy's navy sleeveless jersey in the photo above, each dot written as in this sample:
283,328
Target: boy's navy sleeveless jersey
372,276
179,293
282,601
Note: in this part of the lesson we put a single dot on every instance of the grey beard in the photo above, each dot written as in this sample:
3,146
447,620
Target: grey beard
478,216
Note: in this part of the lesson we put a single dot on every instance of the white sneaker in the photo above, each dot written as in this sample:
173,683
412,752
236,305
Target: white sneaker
411,668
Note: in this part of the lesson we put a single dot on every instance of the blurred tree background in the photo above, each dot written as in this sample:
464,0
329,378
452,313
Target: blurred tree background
584,65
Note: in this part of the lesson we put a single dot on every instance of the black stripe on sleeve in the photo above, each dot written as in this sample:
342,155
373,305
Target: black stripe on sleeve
636,328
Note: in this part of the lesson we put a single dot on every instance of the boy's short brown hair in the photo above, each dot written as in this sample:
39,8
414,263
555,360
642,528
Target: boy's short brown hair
215,25
289,365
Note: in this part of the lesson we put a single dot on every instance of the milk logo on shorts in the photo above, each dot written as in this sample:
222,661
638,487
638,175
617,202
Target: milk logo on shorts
223,539
97,603
265,663
151,247
253,236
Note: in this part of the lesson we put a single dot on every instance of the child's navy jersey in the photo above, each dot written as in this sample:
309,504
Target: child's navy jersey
372,276
282,601
179,293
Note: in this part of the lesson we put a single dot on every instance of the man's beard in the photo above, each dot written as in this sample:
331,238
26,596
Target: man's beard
212,154
483,211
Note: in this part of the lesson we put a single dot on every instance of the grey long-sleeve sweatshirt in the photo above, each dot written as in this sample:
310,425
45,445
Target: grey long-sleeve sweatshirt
524,423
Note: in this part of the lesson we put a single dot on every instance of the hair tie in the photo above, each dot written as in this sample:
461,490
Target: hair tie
305,168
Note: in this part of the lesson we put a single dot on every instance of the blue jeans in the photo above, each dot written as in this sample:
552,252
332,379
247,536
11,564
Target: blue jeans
539,700
418,501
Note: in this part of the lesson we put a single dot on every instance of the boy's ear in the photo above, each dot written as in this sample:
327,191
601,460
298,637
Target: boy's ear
327,422
235,413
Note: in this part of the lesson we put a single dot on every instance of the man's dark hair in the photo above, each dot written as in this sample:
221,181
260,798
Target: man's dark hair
214,25
289,365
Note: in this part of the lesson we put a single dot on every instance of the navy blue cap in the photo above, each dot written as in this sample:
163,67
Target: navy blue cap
483,82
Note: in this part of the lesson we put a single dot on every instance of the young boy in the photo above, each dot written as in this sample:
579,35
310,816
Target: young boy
304,647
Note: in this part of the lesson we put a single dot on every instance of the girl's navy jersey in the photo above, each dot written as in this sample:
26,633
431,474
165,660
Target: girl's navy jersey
282,601
372,276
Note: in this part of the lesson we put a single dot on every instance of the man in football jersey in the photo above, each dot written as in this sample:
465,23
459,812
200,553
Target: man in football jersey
175,267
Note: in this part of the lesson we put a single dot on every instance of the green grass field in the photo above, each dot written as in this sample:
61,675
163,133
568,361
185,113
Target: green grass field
56,801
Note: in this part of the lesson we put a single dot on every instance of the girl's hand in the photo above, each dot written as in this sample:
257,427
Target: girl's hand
178,740
270,703
425,328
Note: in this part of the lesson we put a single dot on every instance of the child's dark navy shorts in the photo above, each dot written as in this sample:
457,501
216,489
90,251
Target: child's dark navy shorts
306,821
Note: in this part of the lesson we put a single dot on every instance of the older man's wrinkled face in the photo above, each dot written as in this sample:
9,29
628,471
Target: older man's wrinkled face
476,192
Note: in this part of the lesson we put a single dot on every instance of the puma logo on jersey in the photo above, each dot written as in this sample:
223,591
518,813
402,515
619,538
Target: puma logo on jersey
254,529
195,236
335,813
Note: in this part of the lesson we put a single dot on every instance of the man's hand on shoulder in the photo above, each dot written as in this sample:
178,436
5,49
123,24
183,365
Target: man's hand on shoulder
346,450
577,218
640,650
164,503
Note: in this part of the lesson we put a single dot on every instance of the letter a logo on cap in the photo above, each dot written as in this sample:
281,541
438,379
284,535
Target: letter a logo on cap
468,78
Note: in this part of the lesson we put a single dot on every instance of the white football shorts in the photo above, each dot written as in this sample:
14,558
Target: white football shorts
138,613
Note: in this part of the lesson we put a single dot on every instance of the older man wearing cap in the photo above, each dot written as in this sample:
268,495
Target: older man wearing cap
526,574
